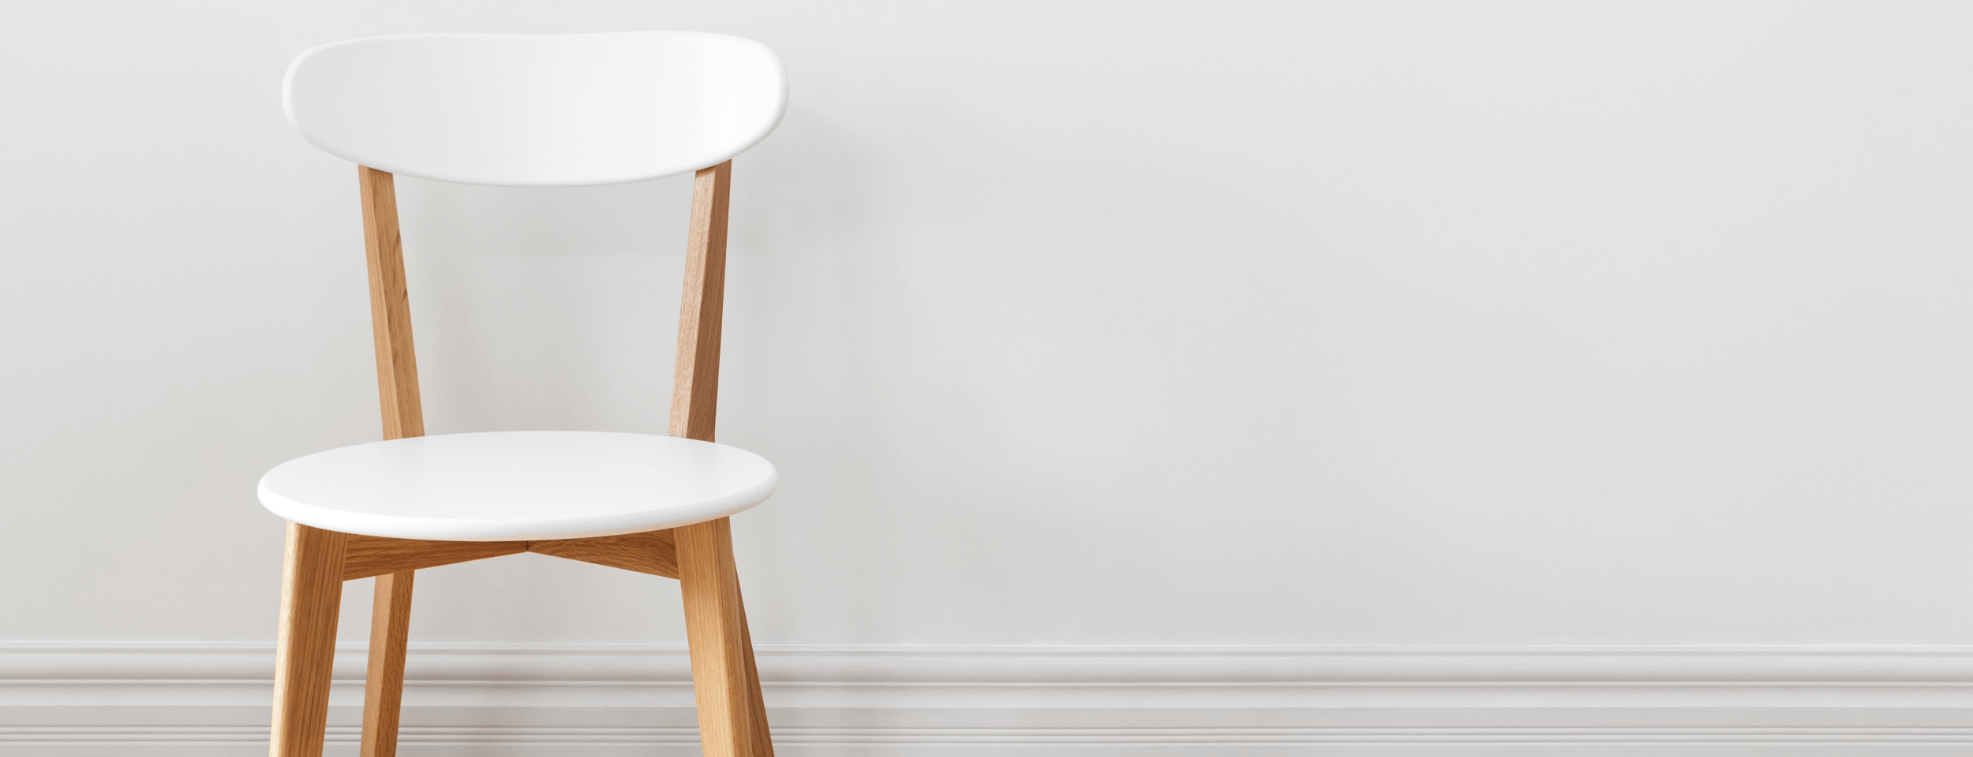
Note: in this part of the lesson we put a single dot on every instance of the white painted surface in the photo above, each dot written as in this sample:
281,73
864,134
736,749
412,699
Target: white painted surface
537,110
1249,324
501,485
592,700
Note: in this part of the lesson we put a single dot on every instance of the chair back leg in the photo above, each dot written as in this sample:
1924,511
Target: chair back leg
403,415
383,688
763,741
732,718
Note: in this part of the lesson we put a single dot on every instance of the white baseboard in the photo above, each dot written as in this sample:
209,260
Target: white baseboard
163,700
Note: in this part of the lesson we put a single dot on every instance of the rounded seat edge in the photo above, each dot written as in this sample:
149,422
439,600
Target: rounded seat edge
515,528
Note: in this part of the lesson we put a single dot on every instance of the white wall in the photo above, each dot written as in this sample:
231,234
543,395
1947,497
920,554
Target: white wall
1067,323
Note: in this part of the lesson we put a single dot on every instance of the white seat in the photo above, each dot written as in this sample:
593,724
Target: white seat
517,485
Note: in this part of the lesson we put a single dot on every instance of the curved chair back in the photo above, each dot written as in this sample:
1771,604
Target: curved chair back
537,110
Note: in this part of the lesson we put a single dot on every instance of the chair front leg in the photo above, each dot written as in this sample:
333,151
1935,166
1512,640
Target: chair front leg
311,596
723,676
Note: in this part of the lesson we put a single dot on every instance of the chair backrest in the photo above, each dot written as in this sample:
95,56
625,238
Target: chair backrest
537,110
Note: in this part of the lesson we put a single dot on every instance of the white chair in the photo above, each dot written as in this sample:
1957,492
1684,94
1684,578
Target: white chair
525,110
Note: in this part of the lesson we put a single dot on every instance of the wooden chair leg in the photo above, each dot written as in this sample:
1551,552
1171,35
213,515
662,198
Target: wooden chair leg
383,691
731,722
763,741
311,595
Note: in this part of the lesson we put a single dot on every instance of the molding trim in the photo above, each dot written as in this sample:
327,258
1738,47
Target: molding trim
155,698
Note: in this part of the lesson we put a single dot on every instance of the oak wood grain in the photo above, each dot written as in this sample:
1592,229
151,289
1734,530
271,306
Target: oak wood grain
761,739
715,630
732,717
403,416
311,597
650,552
378,555
390,307
383,690
695,374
